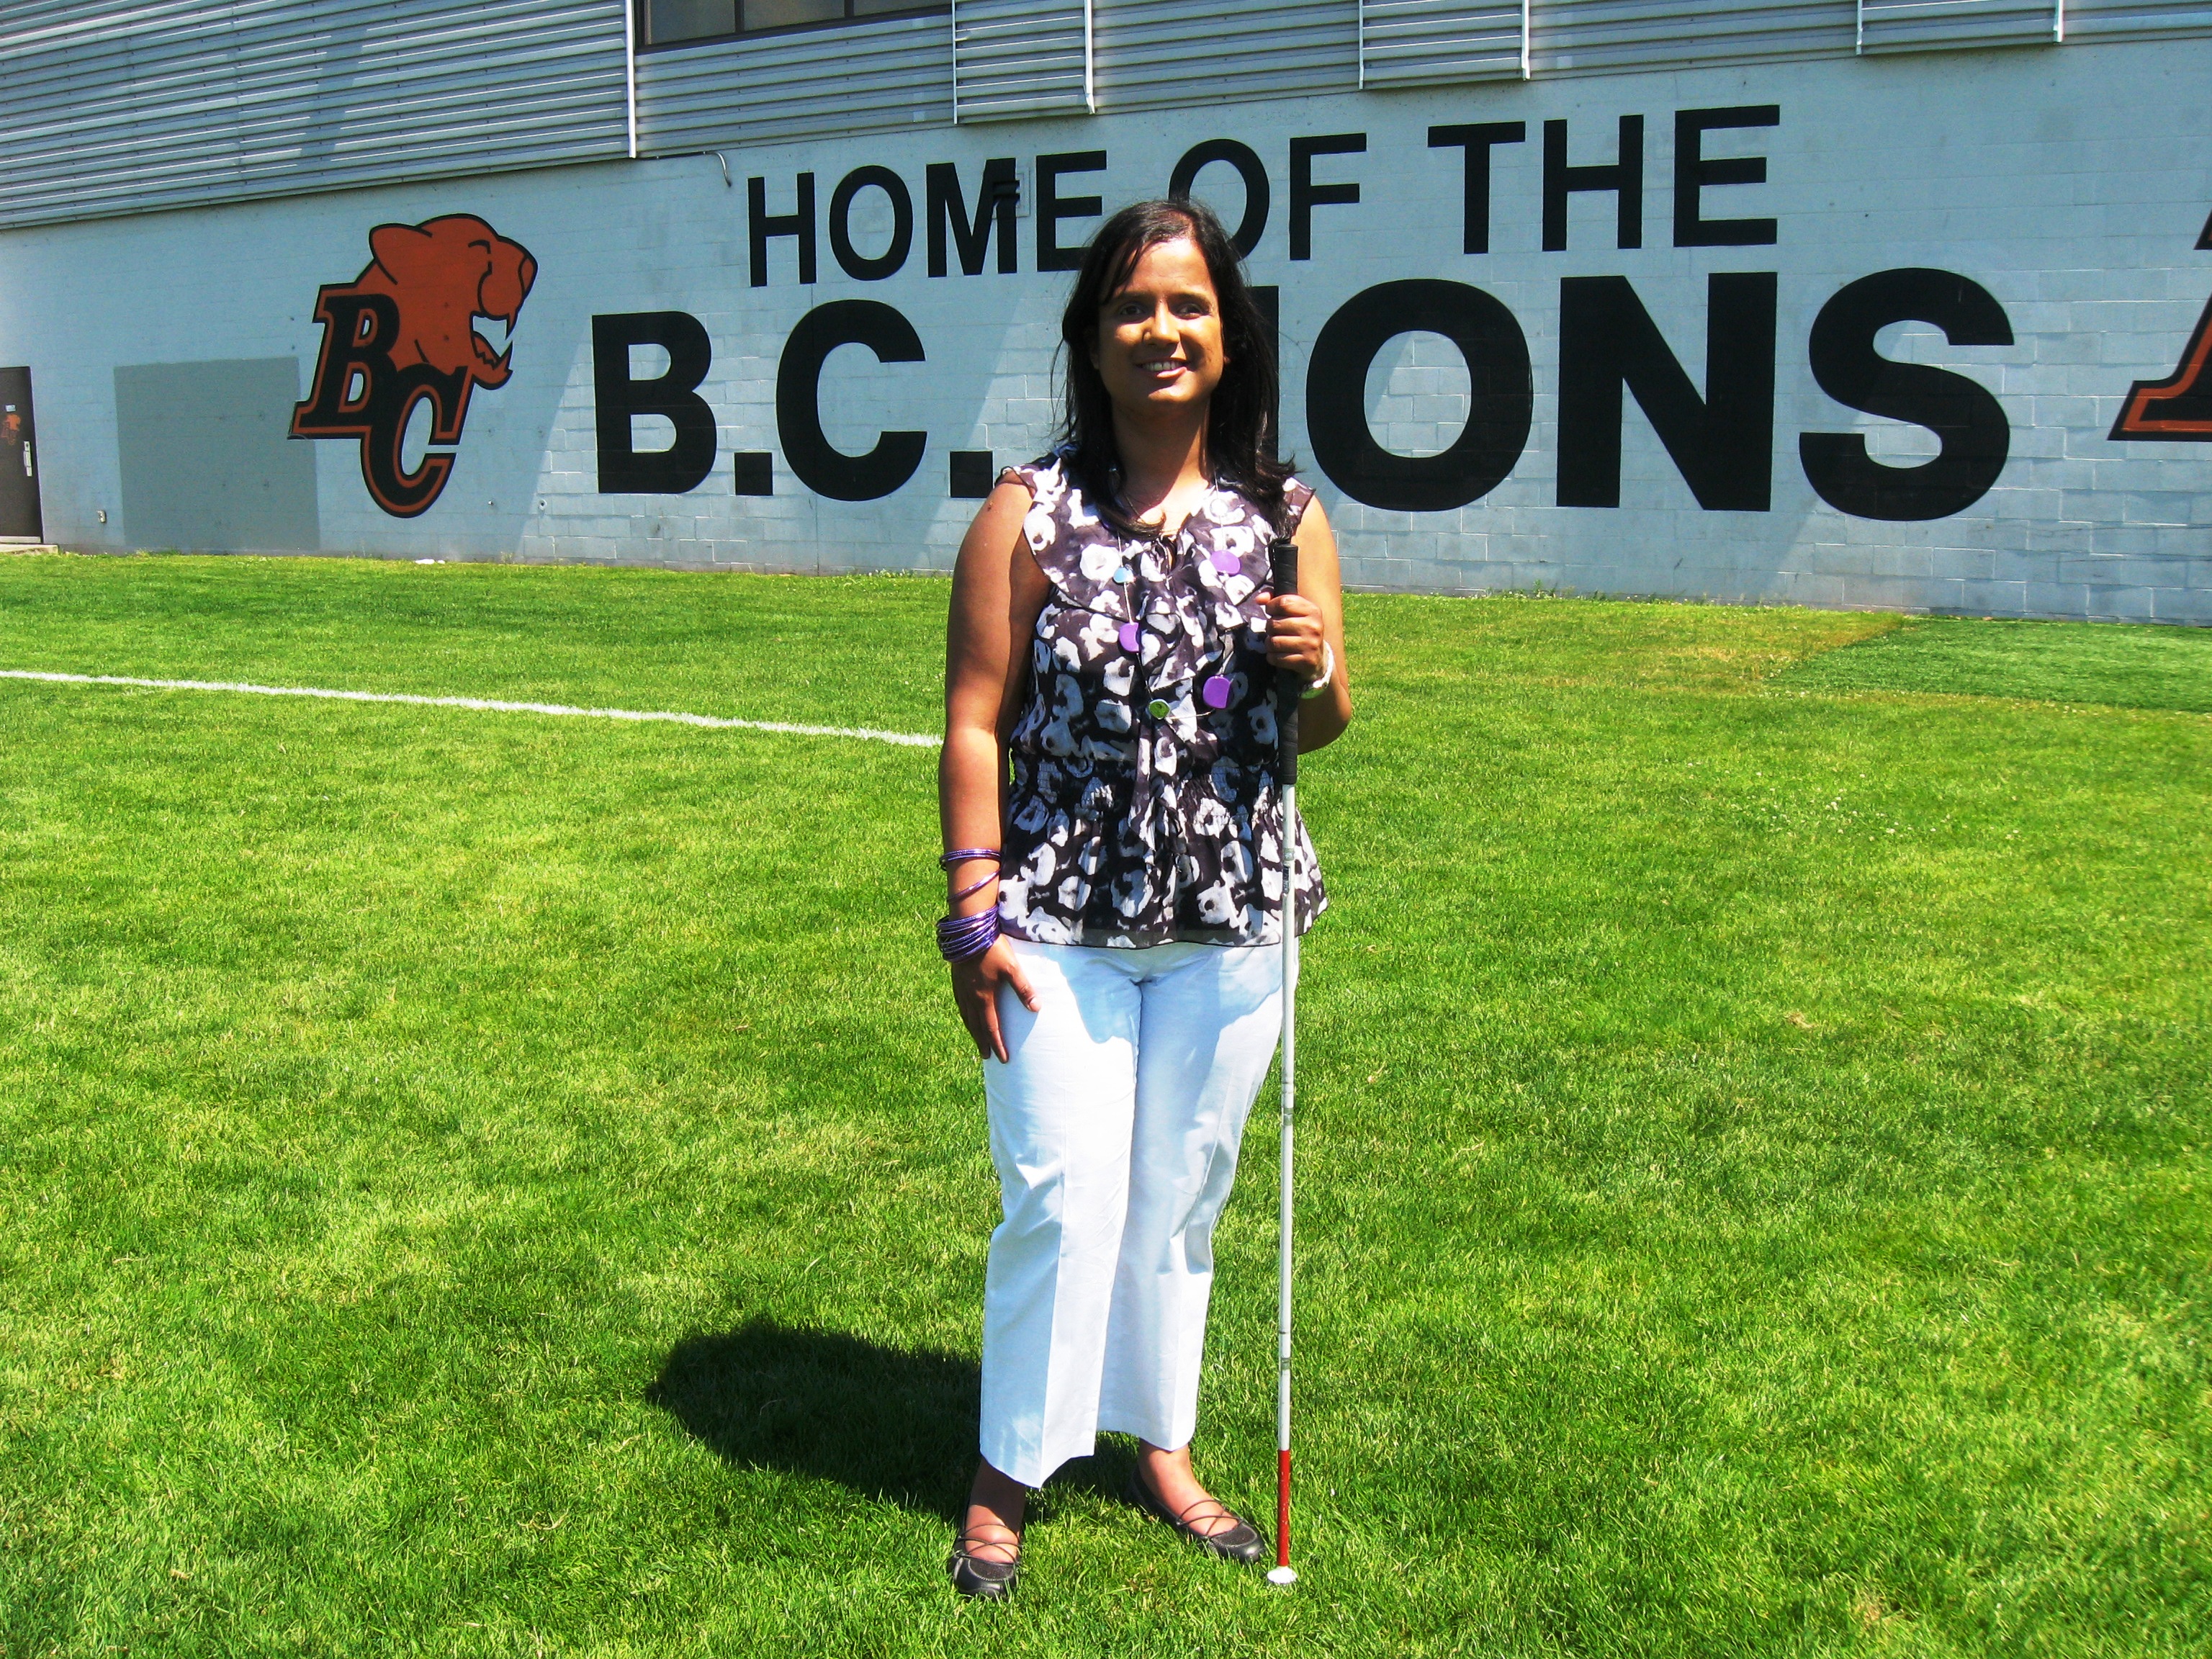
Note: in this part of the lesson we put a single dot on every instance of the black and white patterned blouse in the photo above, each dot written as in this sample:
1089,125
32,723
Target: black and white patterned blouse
1144,807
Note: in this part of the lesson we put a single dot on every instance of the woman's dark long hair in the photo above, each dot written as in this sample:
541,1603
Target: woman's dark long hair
1240,438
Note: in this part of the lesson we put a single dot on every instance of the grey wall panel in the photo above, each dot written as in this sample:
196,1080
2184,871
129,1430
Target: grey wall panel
1951,25
205,461
2137,20
1585,36
1179,54
1019,57
1411,43
815,83
117,109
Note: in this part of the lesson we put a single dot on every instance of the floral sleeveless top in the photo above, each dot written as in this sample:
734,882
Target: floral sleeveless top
1144,808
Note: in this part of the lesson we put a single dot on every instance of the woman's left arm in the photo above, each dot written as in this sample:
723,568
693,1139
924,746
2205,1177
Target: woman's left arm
1300,624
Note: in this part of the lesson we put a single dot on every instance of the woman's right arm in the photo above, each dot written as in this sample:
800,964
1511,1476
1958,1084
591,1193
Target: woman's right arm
997,593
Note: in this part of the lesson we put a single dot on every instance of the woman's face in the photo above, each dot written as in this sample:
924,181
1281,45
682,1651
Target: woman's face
1159,333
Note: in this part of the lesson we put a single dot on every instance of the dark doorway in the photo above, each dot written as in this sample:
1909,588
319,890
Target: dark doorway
19,520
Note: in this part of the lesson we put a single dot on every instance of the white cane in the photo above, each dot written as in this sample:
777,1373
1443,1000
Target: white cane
1283,577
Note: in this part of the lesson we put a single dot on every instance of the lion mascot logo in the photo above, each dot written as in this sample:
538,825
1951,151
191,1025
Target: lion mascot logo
405,332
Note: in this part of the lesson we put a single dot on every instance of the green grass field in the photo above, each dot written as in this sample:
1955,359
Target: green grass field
482,1183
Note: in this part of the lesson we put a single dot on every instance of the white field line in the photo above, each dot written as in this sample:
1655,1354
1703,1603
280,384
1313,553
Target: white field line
488,705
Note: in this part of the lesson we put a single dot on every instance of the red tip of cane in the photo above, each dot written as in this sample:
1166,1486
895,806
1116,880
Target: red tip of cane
1281,1573
1283,1509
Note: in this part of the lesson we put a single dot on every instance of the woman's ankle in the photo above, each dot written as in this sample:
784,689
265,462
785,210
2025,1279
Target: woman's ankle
997,1498
1154,1461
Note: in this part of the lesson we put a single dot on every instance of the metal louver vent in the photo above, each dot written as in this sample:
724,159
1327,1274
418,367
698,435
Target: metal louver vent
2113,20
1188,54
1589,37
1012,58
116,108
883,77
1410,42
1945,25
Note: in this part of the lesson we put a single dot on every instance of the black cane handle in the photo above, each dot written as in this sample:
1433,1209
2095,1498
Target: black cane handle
1283,578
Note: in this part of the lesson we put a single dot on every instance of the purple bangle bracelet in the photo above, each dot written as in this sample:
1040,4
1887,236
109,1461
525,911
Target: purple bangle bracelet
975,887
959,938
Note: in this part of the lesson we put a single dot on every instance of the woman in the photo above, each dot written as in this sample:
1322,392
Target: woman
1112,829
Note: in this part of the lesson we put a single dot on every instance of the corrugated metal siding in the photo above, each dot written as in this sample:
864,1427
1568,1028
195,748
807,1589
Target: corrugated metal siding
1585,36
1161,54
1411,43
816,84
1017,57
2135,20
1945,24
118,108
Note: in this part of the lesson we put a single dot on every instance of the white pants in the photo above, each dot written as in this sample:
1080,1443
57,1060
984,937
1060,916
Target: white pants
1114,1125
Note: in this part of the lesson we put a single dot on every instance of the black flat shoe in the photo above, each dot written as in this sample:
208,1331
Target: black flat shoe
1241,1543
981,1580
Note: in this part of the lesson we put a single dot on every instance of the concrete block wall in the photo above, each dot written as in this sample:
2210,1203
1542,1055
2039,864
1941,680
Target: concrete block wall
2024,170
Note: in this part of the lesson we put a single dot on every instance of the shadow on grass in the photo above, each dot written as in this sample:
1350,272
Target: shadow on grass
890,1422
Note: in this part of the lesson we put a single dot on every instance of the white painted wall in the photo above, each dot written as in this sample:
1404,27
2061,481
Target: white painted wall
2070,184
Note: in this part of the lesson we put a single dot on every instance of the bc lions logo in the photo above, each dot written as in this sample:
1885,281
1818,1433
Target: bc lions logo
403,333
2180,405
